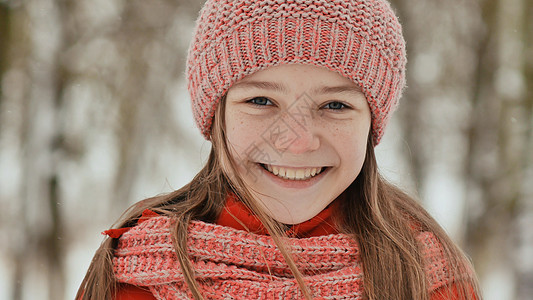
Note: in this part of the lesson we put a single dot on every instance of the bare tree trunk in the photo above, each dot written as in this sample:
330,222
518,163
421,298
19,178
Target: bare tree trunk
498,149
410,109
40,204
4,37
144,99
480,127
524,273
434,105
4,45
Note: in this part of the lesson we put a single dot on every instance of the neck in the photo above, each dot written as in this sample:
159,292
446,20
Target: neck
237,215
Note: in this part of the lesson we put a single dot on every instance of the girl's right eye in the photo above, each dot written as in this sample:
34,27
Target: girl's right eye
259,101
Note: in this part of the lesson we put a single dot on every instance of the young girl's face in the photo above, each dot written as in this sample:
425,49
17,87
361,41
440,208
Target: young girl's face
295,121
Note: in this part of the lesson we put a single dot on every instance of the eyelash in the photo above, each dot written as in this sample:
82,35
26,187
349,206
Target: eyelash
344,106
257,105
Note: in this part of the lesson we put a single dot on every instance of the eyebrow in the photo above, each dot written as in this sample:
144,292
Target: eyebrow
266,85
353,89
279,87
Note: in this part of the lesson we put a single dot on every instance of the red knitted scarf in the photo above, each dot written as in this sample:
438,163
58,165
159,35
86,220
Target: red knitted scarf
235,264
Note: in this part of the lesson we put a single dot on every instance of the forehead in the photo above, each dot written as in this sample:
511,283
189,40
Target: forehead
297,71
284,78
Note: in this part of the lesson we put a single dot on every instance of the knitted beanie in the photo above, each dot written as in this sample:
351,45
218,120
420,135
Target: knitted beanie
359,39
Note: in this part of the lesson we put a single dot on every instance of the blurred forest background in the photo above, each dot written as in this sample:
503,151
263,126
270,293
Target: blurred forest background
94,116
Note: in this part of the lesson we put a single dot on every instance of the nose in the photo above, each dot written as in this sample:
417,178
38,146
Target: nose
296,136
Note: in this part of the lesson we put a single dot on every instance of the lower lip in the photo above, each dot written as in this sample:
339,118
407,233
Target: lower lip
295,184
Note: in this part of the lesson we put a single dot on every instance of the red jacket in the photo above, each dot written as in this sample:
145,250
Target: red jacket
317,226
131,292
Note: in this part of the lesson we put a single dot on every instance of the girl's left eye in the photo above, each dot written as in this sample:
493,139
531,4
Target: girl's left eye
335,105
259,101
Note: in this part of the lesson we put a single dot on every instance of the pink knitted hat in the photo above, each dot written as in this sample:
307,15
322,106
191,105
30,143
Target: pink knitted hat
359,39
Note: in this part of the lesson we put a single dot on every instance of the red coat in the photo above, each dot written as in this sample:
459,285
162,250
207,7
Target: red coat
131,292
317,226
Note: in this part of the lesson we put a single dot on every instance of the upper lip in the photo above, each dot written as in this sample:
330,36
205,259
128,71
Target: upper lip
294,167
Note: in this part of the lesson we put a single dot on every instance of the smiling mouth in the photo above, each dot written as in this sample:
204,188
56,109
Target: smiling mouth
293,173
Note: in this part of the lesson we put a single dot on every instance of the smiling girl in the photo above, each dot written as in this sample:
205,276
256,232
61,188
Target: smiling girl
294,96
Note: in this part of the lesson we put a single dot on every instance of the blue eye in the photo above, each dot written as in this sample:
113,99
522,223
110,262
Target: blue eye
259,101
335,105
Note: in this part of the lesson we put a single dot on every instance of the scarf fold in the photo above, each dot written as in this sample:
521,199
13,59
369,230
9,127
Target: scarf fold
235,264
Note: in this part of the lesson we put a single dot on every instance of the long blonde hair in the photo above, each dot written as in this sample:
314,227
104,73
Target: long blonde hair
378,215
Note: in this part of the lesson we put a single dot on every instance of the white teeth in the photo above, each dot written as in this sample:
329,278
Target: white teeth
282,172
290,173
294,174
275,170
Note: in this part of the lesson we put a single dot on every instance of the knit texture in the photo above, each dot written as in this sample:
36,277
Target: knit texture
359,39
235,264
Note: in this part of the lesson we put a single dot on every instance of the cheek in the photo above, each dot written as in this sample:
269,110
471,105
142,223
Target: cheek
353,150
242,132
351,134
350,143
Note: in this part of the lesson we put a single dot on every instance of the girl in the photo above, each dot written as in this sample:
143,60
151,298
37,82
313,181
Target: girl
294,95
